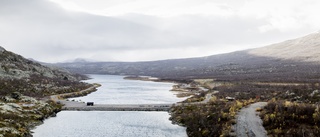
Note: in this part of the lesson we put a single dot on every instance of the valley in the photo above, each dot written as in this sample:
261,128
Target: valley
286,71
220,86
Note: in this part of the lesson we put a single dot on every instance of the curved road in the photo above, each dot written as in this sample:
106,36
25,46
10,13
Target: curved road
72,103
249,124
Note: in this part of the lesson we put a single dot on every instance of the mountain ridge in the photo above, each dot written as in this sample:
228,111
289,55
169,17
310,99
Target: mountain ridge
266,63
302,49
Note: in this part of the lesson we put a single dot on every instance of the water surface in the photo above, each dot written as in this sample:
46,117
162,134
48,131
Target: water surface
116,90
109,124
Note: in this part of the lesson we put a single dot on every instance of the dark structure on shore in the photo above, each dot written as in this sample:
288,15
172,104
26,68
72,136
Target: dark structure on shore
90,103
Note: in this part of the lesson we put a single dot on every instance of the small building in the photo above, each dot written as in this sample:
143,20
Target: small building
90,103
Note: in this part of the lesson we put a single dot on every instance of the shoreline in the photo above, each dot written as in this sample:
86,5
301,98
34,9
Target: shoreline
183,89
84,92
60,102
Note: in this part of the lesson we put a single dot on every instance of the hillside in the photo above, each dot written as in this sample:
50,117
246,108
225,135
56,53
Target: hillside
304,49
33,79
24,87
296,58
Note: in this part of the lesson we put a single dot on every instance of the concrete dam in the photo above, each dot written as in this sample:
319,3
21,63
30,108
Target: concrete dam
78,106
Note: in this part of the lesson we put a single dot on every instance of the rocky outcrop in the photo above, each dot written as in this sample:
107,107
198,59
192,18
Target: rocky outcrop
19,113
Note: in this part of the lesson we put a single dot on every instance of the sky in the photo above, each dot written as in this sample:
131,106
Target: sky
144,30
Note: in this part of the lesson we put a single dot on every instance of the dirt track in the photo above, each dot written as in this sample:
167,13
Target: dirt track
249,124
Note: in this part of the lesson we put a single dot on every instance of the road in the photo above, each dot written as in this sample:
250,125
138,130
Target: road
66,103
207,99
249,124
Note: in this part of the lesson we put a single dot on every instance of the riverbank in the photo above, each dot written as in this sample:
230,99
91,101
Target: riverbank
19,114
84,92
62,98
183,88
142,78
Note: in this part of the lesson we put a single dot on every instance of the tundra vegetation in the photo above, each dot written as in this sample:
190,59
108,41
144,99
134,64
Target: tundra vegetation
214,118
292,108
286,118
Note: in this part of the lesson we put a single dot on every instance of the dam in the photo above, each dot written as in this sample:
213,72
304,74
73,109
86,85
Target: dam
81,106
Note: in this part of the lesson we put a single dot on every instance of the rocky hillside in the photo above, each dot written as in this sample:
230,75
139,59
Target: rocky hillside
293,60
30,78
17,67
24,86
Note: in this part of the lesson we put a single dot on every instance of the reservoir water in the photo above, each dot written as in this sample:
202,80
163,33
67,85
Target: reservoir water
116,90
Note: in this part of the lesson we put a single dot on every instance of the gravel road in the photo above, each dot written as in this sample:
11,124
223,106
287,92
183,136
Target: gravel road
249,124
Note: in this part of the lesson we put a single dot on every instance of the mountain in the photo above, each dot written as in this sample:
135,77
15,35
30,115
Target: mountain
18,74
304,49
293,60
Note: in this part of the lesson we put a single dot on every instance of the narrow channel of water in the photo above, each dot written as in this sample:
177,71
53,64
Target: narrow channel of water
116,90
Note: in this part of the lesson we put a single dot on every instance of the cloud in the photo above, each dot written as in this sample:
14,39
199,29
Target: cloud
140,30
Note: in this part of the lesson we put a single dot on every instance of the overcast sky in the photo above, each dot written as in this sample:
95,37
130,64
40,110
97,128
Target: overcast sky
142,30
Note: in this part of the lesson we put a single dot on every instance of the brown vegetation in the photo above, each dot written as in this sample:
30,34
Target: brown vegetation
208,120
285,118
246,93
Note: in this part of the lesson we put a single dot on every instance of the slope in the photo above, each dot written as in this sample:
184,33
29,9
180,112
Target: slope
293,60
18,74
303,49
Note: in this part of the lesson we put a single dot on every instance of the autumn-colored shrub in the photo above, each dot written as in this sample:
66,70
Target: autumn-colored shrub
207,120
285,118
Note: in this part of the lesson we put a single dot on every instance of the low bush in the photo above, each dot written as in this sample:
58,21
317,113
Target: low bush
285,118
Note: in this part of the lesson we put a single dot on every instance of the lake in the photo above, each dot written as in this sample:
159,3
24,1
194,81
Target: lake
116,90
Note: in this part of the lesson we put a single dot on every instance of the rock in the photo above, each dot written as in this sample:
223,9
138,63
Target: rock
314,93
16,95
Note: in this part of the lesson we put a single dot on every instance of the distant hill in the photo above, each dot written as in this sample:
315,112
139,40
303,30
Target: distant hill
293,60
31,78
